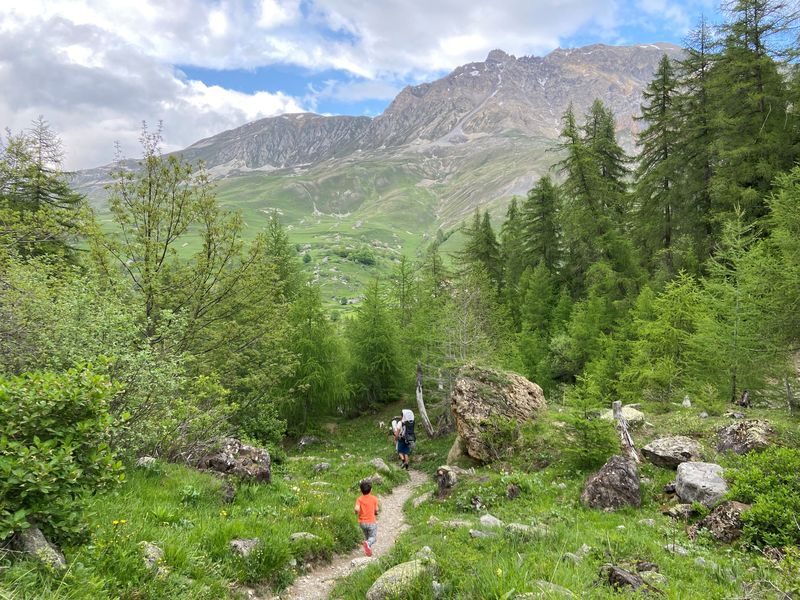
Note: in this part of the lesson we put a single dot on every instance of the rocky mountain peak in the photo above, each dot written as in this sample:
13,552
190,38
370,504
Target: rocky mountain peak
498,56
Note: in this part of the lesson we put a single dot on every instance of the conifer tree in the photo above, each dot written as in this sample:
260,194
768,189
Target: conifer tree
540,225
658,189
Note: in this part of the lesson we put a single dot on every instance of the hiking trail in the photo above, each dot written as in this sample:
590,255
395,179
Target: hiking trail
317,584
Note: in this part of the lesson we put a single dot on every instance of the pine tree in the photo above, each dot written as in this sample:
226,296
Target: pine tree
375,361
540,225
658,189
751,101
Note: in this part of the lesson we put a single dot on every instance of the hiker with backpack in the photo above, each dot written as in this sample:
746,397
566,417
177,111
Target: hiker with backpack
407,438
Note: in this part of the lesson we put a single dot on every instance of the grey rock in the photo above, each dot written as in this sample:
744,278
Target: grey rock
374,479
32,542
321,467
422,499
676,549
245,546
680,511
654,578
490,521
397,581
746,436
446,480
615,485
477,533
687,403
153,557
668,452
545,589
700,482
703,415
632,415
240,460
647,522
424,553
480,394
306,441
380,465
360,562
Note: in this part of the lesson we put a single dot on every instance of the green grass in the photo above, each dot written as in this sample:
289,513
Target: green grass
182,511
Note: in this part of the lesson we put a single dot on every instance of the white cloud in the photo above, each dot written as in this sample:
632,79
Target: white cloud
96,68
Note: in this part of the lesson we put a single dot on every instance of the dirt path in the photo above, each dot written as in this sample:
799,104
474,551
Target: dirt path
317,584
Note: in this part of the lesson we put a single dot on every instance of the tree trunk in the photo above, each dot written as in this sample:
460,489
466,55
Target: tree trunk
423,414
789,395
628,449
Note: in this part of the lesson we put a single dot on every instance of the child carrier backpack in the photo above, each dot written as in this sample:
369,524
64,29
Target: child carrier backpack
408,432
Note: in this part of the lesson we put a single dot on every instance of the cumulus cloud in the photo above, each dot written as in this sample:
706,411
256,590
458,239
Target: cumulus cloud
96,68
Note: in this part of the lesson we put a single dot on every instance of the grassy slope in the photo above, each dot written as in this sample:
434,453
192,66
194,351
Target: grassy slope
183,512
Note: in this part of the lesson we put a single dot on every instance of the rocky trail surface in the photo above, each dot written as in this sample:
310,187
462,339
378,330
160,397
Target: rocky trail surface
317,584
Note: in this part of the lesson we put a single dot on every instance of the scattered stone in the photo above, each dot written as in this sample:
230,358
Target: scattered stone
724,522
360,562
708,564
512,491
306,441
374,479
420,500
676,549
670,487
240,460
653,578
647,522
669,452
744,437
477,533
446,479
619,578
731,414
687,403
680,511
398,581
573,557
32,542
526,532
620,527
545,589
321,467
703,415
245,546
482,394
490,521
380,465
424,553
153,557
561,485
615,485
632,415
452,523
700,482
643,566
320,483
303,535
146,462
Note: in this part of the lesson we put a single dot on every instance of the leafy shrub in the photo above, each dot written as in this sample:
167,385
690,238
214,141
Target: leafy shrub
54,431
770,481
268,562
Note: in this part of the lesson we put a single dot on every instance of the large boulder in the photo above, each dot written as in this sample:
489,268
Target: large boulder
700,482
481,394
32,542
632,415
240,460
745,436
669,452
615,485
398,581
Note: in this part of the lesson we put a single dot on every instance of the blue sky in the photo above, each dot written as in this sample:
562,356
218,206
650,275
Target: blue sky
95,69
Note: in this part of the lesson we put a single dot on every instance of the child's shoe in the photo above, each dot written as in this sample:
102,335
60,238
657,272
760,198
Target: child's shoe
367,549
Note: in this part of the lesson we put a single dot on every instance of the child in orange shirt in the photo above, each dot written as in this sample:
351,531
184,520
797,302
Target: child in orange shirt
367,507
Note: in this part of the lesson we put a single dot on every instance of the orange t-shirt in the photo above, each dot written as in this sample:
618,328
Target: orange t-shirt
367,508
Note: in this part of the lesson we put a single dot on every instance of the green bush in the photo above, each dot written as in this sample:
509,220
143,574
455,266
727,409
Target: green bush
770,481
54,431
